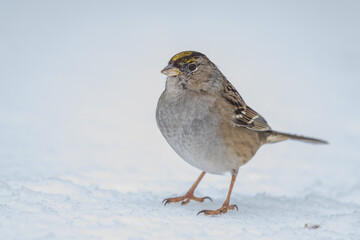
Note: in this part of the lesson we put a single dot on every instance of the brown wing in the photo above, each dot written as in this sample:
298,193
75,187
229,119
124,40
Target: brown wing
243,115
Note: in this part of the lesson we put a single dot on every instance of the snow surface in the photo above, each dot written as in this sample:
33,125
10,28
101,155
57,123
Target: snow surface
81,156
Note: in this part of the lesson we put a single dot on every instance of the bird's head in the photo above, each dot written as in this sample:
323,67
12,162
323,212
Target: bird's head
194,71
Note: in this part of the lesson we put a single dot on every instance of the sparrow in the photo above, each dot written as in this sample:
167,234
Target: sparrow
208,124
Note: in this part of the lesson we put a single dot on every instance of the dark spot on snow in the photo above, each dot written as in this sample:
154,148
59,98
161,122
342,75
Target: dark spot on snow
312,226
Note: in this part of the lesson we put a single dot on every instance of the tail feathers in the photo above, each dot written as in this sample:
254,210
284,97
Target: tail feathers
273,137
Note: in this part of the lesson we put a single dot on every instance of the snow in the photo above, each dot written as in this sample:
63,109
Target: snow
48,208
81,156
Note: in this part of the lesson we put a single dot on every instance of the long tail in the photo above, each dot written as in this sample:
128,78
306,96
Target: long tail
274,136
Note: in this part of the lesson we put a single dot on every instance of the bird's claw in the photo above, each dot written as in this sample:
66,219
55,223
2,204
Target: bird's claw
184,199
221,210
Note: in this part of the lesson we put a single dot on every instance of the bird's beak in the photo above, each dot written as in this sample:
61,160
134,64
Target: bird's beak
171,71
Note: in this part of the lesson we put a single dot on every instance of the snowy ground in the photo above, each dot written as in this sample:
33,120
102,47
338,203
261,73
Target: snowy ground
47,208
104,203
81,156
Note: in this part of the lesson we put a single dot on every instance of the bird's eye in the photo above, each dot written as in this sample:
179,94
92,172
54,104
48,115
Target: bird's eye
192,67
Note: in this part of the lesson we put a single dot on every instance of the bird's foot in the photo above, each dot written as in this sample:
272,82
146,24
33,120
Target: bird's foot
185,199
221,210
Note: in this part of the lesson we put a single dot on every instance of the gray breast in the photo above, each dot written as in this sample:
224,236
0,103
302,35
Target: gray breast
191,130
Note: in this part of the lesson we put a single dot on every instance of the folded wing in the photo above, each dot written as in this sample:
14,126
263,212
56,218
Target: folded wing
243,115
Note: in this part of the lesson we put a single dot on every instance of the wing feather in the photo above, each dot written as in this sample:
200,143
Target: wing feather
243,115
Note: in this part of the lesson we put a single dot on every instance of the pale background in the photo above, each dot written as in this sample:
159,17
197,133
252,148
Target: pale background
80,152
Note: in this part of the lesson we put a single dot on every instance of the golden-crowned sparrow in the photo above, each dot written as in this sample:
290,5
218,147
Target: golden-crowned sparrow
208,124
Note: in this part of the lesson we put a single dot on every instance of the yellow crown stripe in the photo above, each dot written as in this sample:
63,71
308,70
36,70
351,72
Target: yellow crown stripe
181,55
190,60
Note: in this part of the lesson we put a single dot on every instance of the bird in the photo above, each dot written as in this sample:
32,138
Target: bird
208,124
